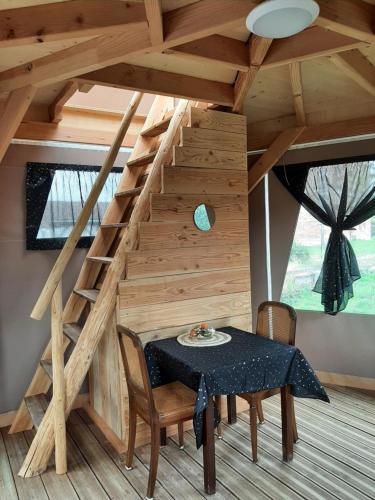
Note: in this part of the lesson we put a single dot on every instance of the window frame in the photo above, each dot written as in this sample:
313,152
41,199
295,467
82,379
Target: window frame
35,210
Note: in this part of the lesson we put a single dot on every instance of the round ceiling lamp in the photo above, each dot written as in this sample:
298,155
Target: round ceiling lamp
281,18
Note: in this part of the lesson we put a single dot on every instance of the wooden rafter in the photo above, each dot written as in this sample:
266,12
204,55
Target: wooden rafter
14,110
161,82
258,48
357,67
80,18
345,129
354,18
181,25
55,109
296,83
273,154
155,21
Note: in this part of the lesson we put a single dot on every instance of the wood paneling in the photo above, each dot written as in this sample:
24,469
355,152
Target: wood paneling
180,208
187,180
140,292
155,316
154,235
209,158
215,139
186,260
217,120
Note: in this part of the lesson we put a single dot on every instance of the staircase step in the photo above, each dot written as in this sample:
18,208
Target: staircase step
129,192
142,160
46,364
72,331
101,260
36,406
89,295
158,127
115,225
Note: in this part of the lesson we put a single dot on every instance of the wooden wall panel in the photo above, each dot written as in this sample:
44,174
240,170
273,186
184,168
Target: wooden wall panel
213,139
142,264
154,235
180,208
162,289
185,180
209,158
217,120
182,312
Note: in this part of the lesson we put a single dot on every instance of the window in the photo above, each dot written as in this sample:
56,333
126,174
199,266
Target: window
55,195
306,259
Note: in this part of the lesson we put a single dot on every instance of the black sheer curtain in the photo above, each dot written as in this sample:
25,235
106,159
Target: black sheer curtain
340,196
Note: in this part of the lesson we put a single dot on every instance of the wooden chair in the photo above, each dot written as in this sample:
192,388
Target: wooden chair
166,405
278,321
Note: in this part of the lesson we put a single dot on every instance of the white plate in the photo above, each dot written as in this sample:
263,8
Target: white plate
217,338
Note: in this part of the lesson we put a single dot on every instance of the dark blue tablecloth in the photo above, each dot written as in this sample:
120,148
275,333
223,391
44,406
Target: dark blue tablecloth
248,363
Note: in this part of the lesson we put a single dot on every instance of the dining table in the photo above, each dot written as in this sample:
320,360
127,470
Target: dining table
248,363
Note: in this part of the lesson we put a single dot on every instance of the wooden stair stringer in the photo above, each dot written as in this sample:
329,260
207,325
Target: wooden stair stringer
79,362
90,271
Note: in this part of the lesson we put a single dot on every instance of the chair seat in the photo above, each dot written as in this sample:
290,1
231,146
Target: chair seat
174,402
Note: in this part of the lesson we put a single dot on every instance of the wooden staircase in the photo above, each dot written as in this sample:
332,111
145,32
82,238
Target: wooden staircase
94,294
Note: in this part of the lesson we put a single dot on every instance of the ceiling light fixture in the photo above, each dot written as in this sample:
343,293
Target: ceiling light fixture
281,18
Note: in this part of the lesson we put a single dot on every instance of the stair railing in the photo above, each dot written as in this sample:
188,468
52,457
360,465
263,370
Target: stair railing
52,290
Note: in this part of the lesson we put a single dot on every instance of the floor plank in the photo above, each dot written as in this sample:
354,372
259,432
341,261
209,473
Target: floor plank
334,459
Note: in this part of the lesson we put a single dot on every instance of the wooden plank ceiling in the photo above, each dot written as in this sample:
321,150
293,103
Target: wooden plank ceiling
197,48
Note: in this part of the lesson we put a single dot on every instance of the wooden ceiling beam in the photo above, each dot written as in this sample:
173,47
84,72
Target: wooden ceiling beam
258,48
55,109
296,84
14,110
354,18
182,25
155,21
58,21
357,67
128,76
273,154
322,132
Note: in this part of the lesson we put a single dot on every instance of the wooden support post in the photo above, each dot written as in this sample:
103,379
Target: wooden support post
79,362
155,21
55,109
57,338
296,83
70,244
273,154
14,110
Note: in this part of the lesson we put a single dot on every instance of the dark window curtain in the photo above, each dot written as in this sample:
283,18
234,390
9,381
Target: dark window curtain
340,196
55,195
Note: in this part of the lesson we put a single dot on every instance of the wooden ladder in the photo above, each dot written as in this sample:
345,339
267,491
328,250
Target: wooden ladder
97,282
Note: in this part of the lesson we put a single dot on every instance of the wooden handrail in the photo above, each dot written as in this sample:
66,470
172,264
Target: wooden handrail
70,244
80,360
58,398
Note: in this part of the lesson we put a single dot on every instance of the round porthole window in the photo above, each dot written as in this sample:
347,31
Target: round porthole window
204,217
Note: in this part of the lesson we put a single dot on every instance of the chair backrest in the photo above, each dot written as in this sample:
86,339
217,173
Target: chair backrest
137,378
278,321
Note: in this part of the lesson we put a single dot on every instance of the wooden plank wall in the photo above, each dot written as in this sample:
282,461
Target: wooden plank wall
180,276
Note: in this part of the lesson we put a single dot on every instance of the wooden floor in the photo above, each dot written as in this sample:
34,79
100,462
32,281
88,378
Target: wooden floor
334,458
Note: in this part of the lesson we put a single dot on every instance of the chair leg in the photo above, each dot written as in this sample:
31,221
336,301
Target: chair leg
180,426
163,436
253,429
294,424
260,411
155,448
220,426
131,439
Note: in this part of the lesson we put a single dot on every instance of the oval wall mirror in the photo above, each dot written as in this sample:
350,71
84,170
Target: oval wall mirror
204,217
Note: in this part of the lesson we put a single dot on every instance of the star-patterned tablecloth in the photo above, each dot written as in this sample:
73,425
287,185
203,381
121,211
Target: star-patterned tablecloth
248,363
